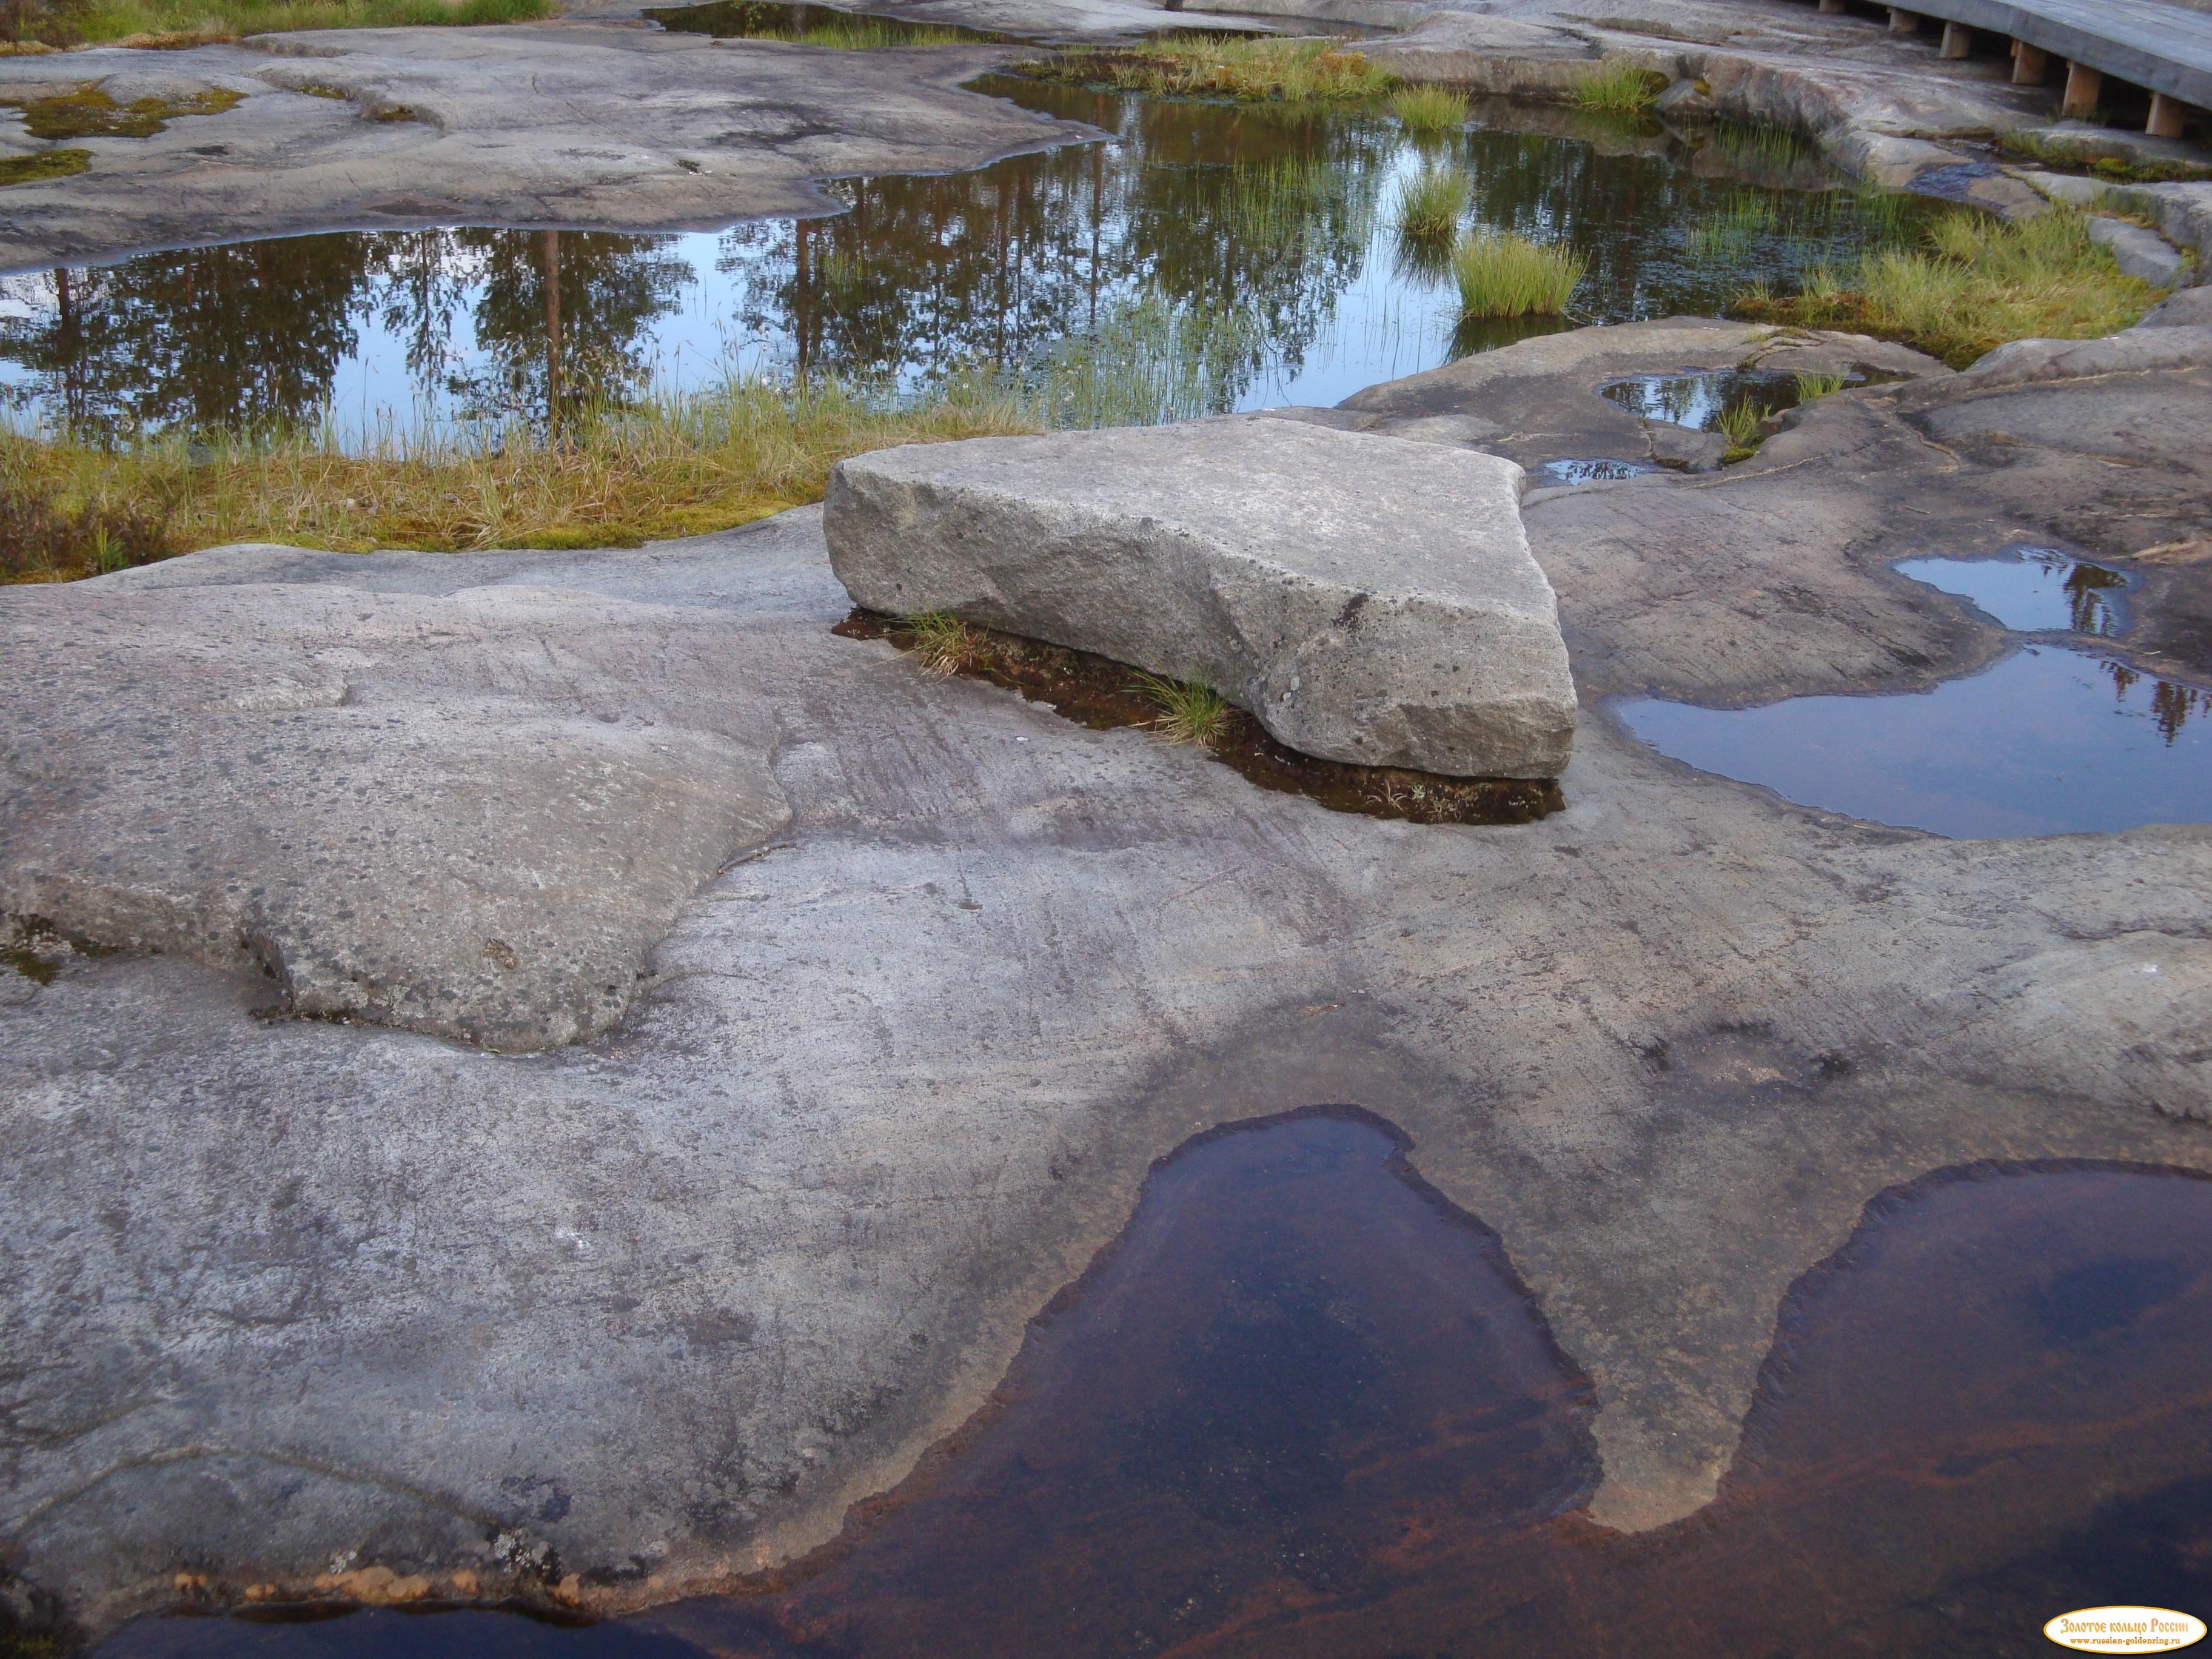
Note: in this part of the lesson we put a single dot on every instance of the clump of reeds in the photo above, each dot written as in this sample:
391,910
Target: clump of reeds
1976,283
1189,712
1431,202
1813,386
1293,71
41,538
1429,109
942,643
1506,275
1618,87
681,466
1739,424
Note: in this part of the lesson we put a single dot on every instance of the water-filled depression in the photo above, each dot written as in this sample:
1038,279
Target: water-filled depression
2057,738
1305,1405
1210,257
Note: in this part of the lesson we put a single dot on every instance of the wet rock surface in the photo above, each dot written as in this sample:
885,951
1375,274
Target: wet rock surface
1367,600
575,124
637,1315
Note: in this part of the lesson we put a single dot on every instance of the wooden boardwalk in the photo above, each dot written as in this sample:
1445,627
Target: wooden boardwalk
2162,47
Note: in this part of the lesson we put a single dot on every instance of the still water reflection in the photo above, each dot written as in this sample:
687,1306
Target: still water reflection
1304,1406
2033,590
1209,258
2051,741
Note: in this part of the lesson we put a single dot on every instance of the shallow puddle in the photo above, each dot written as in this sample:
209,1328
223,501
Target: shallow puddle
2049,741
1303,1406
2032,590
1581,471
1702,399
1209,257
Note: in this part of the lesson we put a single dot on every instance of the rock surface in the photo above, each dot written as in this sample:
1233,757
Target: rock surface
1369,600
661,1305
2140,251
579,123
1534,401
451,813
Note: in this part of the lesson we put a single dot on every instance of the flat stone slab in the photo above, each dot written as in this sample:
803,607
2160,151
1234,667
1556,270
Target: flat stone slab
585,125
1370,600
437,812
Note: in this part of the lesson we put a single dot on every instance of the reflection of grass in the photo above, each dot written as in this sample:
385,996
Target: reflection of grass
1430,203
1502,276
1617,86
42,164
1190,713
1294,72
1762,149
1977,283
686,466
1729,234
1429,109
1148,361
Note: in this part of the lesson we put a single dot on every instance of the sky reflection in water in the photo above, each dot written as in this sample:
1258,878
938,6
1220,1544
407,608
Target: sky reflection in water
1209,257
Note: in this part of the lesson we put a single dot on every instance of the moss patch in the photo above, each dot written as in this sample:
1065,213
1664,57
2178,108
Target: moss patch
1101,693
89,112
46,164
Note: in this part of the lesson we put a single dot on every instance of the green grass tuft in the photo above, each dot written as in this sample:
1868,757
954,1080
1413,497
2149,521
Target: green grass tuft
44,164
1190,713
1976,283
1739,424
1429,109
1256,71
1617,86
1430,203
1813,386
1504,276
943,644
178,23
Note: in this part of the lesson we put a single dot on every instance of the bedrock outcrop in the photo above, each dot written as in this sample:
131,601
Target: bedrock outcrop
590,125
447,812
656,1308
1370,600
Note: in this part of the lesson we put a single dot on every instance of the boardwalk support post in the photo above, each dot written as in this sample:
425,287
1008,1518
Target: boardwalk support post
2029,64
1958,40
2083,86
2166,116
1902,21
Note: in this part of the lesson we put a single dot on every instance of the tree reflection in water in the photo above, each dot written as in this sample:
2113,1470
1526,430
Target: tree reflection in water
1212,257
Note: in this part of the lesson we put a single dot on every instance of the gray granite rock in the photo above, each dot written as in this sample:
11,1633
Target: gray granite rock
2140,251
2191,307
443,813
1369,599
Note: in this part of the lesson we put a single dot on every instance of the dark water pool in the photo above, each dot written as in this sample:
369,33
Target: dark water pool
1304,1406
2058,738
1209,258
